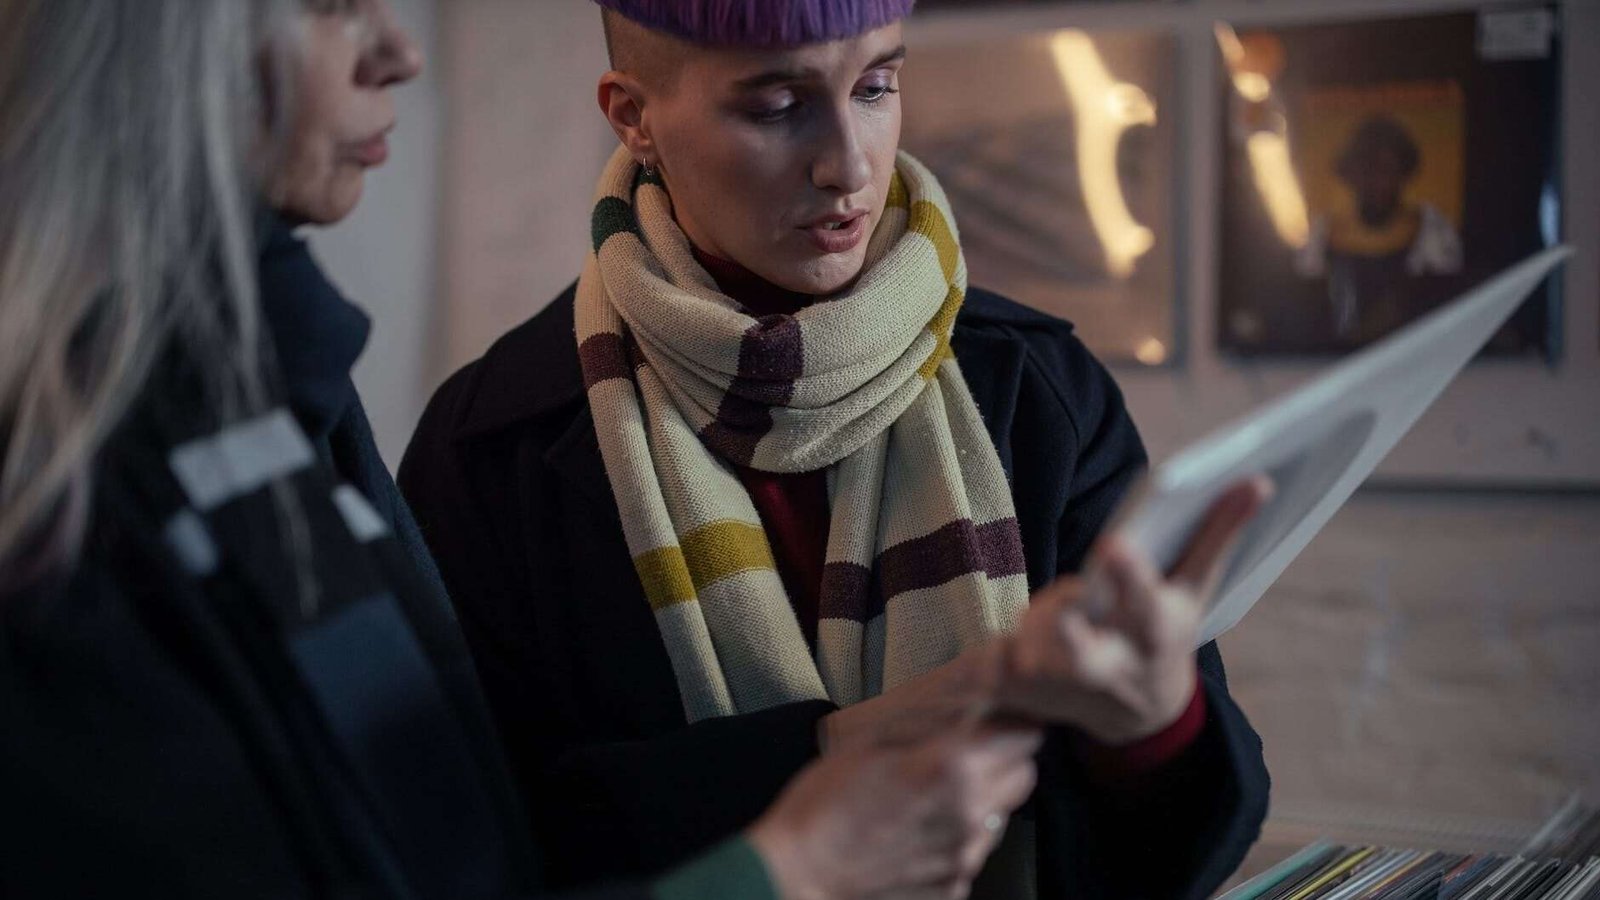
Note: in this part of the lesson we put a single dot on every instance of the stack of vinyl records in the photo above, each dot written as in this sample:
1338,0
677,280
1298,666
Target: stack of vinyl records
1561,862
1572,834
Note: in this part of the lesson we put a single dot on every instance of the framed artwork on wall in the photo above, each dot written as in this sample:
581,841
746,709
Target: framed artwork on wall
1056,148
1374,169
1516,419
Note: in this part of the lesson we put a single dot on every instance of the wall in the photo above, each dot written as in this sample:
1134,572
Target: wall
526,144
1431,656
1498,424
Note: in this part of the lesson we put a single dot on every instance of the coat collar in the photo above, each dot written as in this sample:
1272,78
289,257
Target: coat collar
316,333
530,372
575,455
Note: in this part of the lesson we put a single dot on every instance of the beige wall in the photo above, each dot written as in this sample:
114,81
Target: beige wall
526,142
1431,655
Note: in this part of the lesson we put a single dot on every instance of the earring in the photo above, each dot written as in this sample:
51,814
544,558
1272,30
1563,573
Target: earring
649,170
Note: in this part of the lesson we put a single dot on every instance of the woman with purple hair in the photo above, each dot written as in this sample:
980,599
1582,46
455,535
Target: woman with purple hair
771,481
227,665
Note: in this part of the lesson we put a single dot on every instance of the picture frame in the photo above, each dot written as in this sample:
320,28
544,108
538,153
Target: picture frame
1363,186
1057,149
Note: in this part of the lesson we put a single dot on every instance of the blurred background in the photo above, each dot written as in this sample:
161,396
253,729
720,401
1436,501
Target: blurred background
1202,188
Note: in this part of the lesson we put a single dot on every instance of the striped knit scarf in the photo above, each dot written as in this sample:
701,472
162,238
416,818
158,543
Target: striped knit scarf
924,557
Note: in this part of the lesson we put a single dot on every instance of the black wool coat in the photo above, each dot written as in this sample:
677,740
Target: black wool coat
170,732
507,483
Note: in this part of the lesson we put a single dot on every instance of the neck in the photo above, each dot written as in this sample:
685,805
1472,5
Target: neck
756,294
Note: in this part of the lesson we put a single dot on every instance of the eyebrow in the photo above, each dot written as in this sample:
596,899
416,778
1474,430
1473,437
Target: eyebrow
784,76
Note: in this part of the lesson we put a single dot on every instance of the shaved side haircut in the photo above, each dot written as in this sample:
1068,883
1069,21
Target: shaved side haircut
652,57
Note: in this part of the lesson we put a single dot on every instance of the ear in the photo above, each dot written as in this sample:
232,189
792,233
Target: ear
621,100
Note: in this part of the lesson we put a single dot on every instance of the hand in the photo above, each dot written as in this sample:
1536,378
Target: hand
1131,672
1120,679
897,821
954,696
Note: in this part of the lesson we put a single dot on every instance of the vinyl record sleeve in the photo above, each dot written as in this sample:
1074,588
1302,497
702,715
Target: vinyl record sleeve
1318,443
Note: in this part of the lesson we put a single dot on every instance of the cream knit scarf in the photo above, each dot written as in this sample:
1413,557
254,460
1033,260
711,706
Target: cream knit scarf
924,557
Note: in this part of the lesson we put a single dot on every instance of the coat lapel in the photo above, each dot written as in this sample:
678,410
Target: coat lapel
575,456
992,365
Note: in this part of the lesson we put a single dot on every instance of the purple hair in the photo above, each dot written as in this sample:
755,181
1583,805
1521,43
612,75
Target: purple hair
761,23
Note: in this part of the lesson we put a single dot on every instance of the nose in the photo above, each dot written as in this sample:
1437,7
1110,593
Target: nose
392,56
841,164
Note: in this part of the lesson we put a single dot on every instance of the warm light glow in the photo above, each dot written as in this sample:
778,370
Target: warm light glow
1129,105
1275,181
1228,42
1151,352
1268,149
1252,86
1103,109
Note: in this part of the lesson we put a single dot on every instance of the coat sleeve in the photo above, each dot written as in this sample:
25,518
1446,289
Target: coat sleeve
116,769
1179,831
122,771
668,797
597,806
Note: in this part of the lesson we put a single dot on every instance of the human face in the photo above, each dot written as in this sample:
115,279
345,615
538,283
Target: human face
781,160
1378,187
349,54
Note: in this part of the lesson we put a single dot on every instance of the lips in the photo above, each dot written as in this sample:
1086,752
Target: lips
371,152
837,233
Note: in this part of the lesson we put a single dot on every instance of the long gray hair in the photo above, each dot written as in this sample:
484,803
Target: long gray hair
129,138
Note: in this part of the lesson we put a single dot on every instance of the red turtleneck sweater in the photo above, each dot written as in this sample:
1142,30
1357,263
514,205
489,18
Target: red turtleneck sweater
793,507
794,511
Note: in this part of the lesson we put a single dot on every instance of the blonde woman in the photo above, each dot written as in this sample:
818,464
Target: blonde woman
227,668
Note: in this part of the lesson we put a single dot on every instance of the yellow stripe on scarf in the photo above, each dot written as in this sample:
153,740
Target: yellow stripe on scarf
708,554
928,221
665,577
899,197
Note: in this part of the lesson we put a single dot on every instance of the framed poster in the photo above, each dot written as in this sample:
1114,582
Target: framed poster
1056,148
1372,170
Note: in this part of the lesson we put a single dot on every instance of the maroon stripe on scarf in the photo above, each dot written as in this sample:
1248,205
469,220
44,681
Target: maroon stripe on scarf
954,550
771,358
848,593
1001,541
960,548
603,357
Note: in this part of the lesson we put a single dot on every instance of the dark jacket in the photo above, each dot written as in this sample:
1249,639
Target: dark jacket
507,482
175,722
